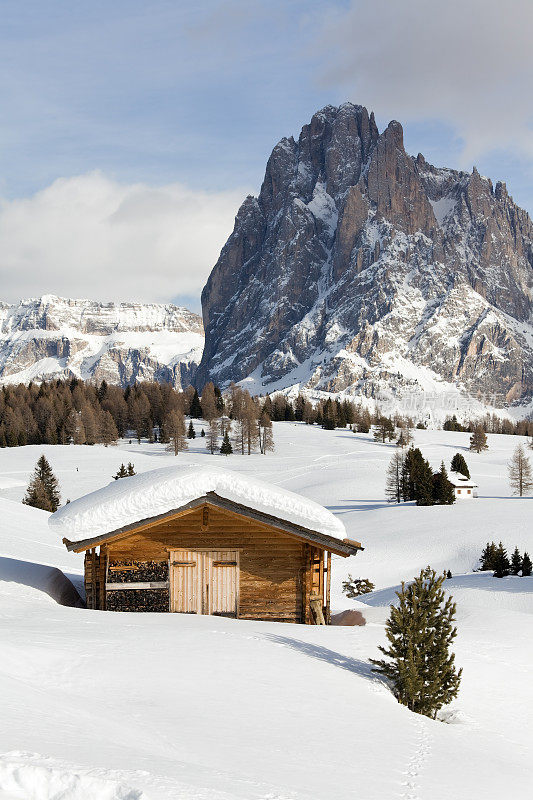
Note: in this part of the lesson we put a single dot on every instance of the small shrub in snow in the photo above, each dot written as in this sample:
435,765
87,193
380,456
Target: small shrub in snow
420,632
353,587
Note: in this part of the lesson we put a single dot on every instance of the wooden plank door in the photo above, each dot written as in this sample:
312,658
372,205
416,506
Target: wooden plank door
204,582
224,582
184,579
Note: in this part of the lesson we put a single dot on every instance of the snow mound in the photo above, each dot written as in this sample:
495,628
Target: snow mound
22,776
159,491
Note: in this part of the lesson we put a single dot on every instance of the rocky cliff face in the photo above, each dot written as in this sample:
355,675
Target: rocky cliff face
50,337
360,266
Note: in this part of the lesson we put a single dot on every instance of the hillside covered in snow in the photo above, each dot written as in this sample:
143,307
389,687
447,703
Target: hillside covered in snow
52,337
115,706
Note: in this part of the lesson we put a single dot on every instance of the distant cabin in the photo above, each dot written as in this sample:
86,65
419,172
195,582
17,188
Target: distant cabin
465,488
204,540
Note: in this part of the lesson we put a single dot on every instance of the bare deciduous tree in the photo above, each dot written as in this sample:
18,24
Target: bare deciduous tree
520,476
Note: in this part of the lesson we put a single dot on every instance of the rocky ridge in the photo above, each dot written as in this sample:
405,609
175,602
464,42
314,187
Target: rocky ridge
362,269
52,337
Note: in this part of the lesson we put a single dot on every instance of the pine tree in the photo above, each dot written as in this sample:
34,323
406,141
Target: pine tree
225,448
520,476
488,557
449,574
196,406
122,472
36,495
424,484
526,566
43,487
131,469
413,462
420,632
202,433
459,465
393,486
191,434
478,440
501,562
516,562
443,491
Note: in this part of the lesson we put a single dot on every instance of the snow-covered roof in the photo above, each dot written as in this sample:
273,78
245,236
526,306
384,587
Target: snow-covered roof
457,479
129,500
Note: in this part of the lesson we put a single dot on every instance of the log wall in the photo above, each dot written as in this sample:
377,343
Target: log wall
275,574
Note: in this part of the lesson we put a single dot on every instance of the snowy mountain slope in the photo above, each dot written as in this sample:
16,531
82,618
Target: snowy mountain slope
52,337
120,737
360,268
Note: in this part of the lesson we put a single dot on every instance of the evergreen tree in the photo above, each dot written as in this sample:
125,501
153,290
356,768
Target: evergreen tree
424,484
36,495
526,566
202,433
393,486
122,472
501,562
43,484
196,406
225,448
520,476
420,632
478,440
191,434
131,469
413,462
443,491
459,465
488,557
516,562
449,574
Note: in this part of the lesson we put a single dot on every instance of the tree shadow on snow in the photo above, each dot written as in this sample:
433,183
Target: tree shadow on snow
320,653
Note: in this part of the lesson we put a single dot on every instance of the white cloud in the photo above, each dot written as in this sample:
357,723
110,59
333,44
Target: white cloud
89,236
465,62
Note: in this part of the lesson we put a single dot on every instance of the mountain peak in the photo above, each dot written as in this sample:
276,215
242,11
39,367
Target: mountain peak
361,269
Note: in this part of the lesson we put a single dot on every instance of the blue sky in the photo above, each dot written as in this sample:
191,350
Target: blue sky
107,96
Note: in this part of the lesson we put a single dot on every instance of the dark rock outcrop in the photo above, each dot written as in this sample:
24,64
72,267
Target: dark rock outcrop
359,265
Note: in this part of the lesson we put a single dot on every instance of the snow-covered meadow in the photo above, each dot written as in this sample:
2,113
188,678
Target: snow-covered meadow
108,706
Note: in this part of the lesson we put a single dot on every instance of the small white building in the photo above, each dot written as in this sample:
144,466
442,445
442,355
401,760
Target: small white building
464,487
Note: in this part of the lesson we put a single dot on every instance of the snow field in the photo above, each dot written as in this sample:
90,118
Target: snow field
196,708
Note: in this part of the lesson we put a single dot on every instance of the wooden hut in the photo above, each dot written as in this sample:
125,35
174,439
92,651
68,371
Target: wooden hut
203,540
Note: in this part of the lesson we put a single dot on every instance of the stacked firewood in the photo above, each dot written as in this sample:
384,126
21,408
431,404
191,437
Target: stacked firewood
137,571
138,600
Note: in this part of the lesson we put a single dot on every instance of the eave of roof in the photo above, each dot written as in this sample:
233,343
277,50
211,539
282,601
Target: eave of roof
343,547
